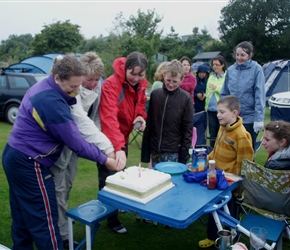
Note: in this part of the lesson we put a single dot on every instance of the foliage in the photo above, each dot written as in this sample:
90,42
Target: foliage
61,37
264,22
187,46
15,48
138,33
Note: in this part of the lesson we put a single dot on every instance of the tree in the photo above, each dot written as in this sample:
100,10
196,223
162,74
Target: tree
15,48
141,33
264,22
187,46
172,40
61,37
138,33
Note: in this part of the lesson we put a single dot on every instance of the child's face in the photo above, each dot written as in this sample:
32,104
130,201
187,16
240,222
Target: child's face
269,142
171,83
201,75
135,75
225,115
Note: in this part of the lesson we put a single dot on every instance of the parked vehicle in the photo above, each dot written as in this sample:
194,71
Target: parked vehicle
13,87
280,106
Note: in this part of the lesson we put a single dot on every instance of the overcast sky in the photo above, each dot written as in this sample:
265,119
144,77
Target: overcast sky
97,17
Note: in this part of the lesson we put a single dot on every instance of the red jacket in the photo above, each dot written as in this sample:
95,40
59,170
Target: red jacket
188,84
120,105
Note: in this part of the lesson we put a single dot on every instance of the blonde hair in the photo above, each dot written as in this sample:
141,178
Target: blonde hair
92,64
158,76
175,68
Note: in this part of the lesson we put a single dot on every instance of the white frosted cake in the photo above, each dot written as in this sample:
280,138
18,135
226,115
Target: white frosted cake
139,184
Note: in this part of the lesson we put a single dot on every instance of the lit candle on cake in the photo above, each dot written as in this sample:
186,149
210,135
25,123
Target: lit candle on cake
139,169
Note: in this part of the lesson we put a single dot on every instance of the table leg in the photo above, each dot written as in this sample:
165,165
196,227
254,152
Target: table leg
70,233
88,237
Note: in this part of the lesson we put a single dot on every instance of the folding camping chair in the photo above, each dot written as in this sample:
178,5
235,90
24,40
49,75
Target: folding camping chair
267,193
135,134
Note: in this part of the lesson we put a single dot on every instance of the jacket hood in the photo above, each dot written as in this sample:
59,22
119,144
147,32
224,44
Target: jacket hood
119,68
202,68
86,97
238,123
247,65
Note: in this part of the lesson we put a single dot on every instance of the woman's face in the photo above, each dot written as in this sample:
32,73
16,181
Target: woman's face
91,81
186,66
70,87
270,143
241,56
217,67
135,75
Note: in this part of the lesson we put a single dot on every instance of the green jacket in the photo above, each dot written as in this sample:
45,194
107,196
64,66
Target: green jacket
219,82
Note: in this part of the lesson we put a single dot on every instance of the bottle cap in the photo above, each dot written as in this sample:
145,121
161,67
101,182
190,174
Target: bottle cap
211,162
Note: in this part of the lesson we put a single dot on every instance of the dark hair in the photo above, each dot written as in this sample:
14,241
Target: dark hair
185,58
221,60
232,102
67,67
247,47
136,59
280,130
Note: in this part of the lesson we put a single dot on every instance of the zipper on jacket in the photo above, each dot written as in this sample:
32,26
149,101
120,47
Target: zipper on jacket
162,121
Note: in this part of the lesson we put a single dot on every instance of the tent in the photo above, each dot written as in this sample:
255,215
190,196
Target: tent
34,64
277,76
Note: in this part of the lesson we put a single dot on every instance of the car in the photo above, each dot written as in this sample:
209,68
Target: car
13,87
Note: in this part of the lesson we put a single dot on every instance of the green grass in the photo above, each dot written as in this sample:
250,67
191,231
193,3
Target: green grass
140,235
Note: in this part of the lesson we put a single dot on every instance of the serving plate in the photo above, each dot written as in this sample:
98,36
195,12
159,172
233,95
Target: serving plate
171,167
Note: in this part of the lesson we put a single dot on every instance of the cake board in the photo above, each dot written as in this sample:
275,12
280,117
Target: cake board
140,200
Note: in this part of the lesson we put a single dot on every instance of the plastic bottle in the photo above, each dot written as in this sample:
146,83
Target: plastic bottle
211,175
189,162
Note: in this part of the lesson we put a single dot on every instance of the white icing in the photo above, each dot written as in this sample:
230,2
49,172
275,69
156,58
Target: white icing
142,183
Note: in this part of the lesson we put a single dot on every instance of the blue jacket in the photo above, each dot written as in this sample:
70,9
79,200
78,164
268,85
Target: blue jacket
247,82
200,88
44,125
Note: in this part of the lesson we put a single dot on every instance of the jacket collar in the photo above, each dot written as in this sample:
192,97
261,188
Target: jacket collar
245,65
69,99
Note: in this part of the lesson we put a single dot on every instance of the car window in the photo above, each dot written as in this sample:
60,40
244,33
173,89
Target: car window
3,83
40,77
18,82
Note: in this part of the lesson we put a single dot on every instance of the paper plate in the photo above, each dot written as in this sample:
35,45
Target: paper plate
171,167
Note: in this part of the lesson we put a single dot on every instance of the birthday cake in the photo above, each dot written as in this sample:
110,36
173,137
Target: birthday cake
139,184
